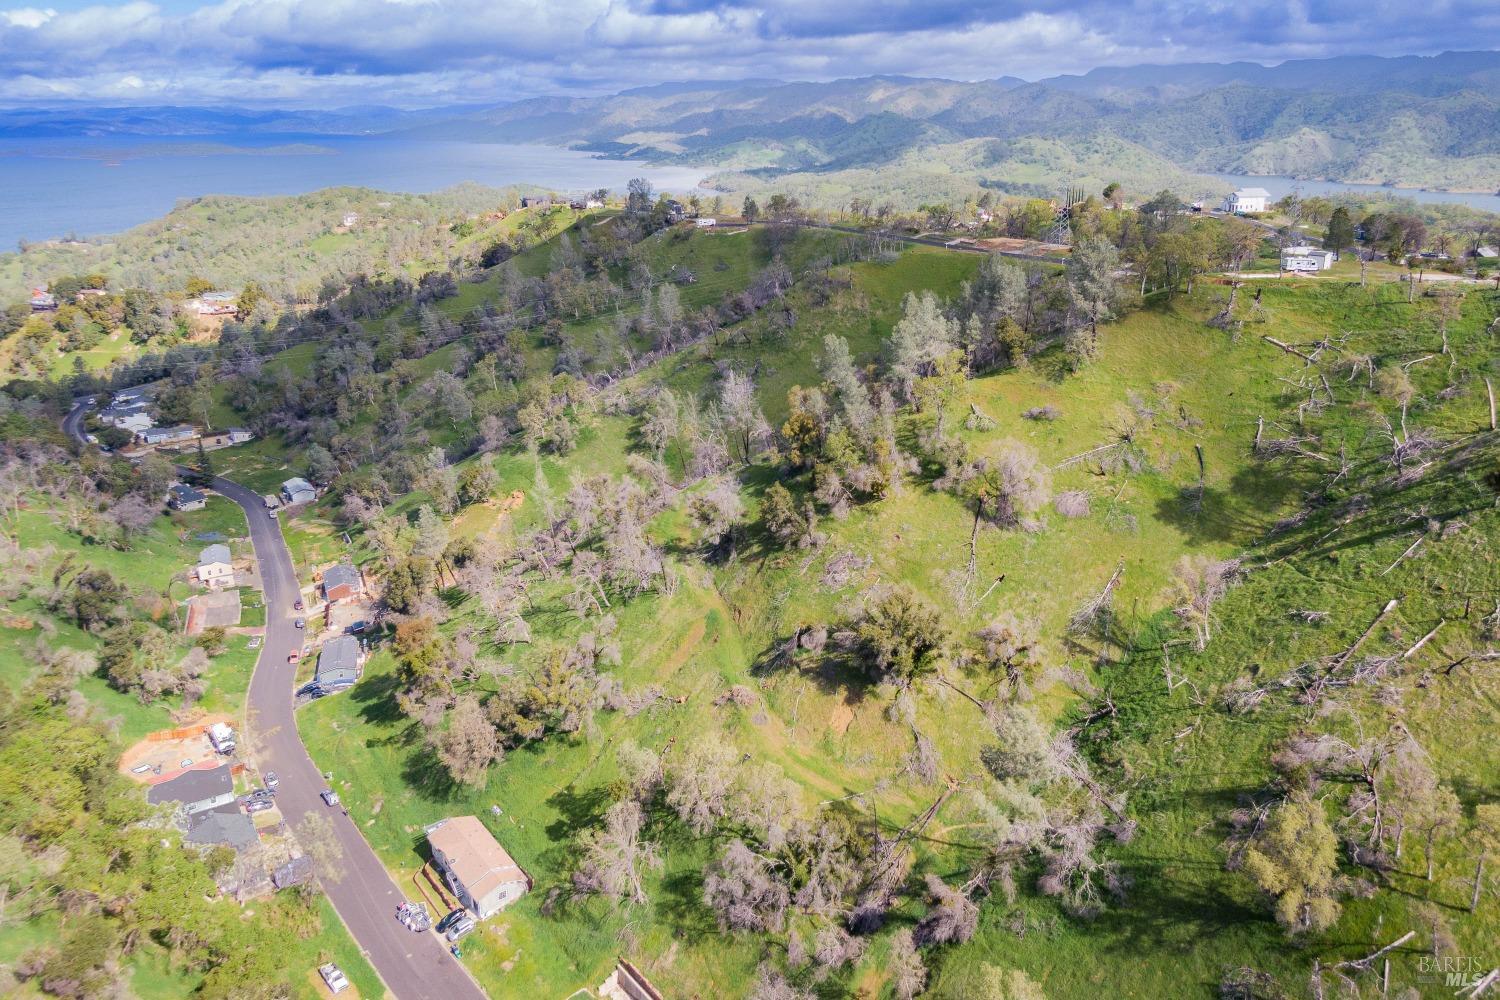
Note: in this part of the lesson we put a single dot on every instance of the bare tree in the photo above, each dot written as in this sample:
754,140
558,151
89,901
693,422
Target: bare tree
744,892
470,744
615,858
699,782
951,918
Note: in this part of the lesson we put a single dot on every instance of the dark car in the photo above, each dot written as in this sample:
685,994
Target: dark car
258,805
300,623
329,796
297,604
449,920
357,627
260,794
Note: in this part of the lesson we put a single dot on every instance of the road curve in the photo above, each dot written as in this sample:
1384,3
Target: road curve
413,966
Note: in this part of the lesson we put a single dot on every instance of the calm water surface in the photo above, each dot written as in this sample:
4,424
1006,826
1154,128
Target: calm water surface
97,185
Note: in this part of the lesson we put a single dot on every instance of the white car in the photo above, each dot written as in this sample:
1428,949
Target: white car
334,977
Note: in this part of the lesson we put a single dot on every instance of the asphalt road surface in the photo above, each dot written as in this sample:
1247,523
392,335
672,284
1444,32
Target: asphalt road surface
414,966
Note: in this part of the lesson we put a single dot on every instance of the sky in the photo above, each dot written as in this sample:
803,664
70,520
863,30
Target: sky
414,53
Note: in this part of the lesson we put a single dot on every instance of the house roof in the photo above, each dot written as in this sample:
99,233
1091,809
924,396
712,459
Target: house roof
1252,193
341,575
185,493
474,856
180,430
297,485
193,786
217,553
294,872
338,660
222,825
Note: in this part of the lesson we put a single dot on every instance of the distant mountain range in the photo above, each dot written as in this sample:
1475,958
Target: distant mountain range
1429,121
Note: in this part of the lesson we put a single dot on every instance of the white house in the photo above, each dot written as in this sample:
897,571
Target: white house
705,223
479,871
214,567
350,218
1306,258
1246,201
168,435
213,304
298,490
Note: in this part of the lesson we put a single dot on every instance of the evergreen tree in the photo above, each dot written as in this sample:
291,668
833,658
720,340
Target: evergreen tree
1340,235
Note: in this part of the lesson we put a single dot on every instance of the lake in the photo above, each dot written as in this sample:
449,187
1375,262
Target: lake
1280,186
92,186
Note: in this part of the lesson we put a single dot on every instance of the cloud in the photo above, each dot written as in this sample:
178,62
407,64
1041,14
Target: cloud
428,51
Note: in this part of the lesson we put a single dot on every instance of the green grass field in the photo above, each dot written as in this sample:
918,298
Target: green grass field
1182,385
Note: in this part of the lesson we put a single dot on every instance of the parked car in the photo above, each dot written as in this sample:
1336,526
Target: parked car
261,793
330,797
334,978
357,627
271,780
258,805
294,656
297,605
300,623
460,927
451,918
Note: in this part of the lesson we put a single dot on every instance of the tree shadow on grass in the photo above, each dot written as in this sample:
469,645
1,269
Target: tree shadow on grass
577,811
424,774
681,905
376,698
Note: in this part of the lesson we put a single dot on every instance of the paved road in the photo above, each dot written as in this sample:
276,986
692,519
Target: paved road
414,966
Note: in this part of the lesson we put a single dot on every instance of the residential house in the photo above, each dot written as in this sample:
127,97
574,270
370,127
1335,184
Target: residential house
536,201
479,871
340,662
197,791
213,304
1247,201
238,435
167,435
342,583
134,394
349,220
42,300
134,416
298,490
225,825
1306,259
1489,253
215,570
676,210
181,496
89,293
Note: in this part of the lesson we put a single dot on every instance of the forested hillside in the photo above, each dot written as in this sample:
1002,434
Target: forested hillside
811,615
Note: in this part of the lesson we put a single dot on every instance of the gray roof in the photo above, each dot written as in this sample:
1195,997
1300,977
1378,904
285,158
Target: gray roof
341,575
1253,193
222,825
185,493
338,663
294,872
193,786
214,554
296,485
